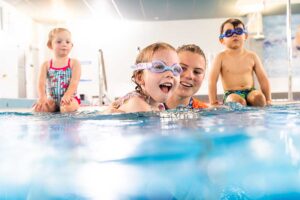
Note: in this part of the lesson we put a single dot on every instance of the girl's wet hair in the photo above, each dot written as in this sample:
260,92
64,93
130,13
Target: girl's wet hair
52,34
234,22
145,56
191,48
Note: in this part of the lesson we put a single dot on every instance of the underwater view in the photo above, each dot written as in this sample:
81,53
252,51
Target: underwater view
231,152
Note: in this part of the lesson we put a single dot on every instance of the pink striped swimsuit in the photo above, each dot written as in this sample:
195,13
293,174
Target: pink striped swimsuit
58,81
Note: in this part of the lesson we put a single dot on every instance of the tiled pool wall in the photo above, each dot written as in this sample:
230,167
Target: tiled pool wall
276,96
24,103
16,103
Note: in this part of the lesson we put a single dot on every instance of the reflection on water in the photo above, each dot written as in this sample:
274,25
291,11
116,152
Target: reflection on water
226,153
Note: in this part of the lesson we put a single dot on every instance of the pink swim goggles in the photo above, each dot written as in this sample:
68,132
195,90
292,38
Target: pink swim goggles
158,66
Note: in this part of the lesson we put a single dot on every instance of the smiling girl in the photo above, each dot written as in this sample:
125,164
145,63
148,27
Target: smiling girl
156,74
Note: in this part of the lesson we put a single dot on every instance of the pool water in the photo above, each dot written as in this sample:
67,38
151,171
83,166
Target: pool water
231,152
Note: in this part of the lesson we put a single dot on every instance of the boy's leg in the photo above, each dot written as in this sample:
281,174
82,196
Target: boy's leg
236,98
256,98
71,107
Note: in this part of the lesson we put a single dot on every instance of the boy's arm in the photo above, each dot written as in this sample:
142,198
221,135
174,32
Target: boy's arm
213,79
76,72
262,79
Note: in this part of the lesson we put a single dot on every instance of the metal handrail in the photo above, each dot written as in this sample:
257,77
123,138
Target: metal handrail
102,78
289,49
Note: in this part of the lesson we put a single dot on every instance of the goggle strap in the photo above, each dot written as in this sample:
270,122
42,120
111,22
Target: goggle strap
232,32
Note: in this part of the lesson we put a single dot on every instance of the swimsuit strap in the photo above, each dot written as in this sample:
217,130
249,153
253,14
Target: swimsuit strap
69,63
51,63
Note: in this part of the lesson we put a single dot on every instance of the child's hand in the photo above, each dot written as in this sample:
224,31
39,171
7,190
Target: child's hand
66,99
41,105
269,102
216,104
111,110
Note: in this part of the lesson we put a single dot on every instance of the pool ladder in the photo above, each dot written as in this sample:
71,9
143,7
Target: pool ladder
103,98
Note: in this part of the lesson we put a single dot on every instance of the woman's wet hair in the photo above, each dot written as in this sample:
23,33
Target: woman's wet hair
191,48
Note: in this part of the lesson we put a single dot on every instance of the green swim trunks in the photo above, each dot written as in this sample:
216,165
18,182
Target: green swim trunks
242,93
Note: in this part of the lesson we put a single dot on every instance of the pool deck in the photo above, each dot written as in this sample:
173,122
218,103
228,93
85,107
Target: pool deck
102,108
284,102
82,108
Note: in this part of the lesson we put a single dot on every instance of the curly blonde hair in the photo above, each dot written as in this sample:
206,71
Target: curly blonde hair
52,34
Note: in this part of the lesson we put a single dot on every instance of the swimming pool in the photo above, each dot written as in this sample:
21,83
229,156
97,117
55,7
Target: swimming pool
229,153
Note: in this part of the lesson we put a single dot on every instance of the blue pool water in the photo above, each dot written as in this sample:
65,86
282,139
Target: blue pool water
226,153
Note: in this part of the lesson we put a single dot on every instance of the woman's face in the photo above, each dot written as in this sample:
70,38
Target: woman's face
161,85
194,66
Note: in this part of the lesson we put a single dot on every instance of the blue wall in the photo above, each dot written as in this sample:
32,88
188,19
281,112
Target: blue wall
16,103
275,47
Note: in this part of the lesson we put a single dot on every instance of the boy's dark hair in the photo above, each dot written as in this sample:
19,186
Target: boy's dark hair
234,22
191,48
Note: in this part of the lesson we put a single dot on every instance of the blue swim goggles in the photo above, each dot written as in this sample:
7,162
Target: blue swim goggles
158,66
230,32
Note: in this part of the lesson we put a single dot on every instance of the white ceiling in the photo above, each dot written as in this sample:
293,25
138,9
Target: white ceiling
48,11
